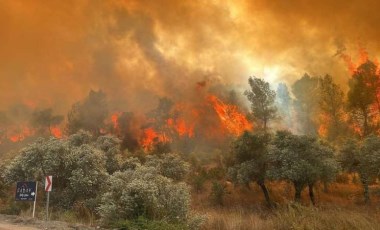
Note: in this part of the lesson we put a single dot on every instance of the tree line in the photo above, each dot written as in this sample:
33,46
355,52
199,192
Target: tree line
349,142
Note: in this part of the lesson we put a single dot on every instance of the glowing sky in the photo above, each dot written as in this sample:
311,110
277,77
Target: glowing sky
53,52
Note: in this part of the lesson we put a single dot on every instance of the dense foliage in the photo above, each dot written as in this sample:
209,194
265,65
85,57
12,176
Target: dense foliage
301,160
250,153
363,158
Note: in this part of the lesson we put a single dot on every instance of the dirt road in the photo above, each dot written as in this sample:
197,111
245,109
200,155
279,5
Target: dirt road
8,226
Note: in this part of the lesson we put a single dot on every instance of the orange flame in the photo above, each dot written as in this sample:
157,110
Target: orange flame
150,137
56,132
234,121
25,132
324,123
350,64
363,58
180,127
114,118
322,130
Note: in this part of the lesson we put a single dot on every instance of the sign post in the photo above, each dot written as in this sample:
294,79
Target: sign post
48,186
27,191
35,200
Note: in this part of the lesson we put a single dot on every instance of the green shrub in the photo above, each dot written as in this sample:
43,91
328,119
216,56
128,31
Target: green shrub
198,182
169,165
216,173
218,191
144,192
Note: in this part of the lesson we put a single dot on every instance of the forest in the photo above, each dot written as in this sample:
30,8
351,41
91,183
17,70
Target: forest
167,114
295,148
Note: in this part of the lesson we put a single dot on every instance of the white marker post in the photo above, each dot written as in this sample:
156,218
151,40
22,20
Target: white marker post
35,199
48,186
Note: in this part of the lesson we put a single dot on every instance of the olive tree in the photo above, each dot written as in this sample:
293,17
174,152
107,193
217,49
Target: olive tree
301,160
363,158
110,145
169,165
77,166
250,156
148,190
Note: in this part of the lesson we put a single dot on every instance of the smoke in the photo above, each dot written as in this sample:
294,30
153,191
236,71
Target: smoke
54,52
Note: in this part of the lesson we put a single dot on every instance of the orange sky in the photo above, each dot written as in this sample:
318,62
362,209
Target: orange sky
53,52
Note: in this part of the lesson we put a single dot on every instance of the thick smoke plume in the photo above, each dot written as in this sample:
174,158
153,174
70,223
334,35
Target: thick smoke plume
54,52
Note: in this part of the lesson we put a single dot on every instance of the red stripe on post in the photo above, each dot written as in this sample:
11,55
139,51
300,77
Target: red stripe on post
48,183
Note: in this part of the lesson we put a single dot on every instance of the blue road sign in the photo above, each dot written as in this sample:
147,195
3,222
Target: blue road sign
26,191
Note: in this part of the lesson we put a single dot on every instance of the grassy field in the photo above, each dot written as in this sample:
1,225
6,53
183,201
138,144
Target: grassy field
292,216
339,208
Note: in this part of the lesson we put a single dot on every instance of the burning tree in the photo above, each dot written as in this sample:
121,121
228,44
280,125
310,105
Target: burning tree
44,121
331,104
160,115
262,101
230,117
363,101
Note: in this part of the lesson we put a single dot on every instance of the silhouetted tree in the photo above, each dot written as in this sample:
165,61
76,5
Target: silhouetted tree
262,101
362,95
43,120
128,131
306,93
160,116
88,115
332,106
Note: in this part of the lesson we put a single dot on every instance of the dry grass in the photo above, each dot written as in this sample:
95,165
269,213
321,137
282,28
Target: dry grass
292,216
301,217
340,208
239,219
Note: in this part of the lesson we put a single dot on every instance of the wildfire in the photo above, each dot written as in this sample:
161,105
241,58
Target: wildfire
150,137
20,135
350,64
352,67
234,121
322,130
56,132
323,127
181,127
114,120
